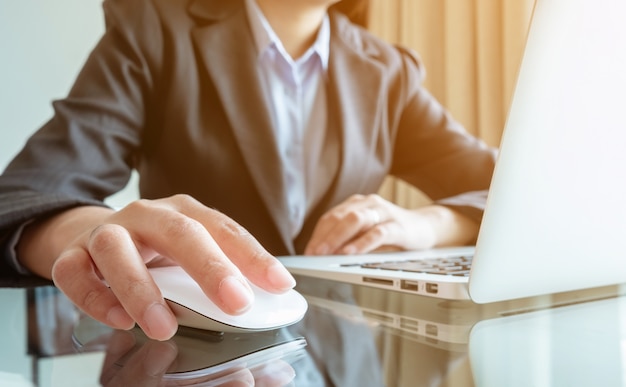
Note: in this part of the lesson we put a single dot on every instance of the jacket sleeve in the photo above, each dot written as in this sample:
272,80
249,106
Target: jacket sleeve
435,153
87,150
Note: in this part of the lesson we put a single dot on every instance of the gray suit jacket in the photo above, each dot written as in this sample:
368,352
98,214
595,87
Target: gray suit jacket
172,90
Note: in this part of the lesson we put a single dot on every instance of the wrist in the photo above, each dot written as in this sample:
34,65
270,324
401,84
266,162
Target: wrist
43,240
448,227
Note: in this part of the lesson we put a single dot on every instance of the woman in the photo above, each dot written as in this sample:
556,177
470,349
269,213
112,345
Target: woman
277,120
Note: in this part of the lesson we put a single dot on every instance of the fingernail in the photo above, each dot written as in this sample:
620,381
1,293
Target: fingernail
118,318
160,322
280,278
235,294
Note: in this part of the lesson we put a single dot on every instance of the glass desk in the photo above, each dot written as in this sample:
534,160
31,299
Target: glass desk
350,336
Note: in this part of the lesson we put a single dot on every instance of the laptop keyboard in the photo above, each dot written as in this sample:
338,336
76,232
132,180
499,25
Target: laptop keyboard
456,266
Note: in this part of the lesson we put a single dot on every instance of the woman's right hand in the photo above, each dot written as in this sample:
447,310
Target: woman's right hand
99,258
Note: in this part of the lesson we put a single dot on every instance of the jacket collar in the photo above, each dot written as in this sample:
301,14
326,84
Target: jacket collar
213,9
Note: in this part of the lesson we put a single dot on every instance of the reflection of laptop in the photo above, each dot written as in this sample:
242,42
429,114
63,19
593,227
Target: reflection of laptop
580,345
434,322
431,321
556,213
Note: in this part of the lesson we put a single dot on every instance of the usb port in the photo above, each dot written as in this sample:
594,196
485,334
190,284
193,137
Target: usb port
378,317
409,324
409,285
432,288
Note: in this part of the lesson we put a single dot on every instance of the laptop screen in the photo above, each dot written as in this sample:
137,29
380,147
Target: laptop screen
556,213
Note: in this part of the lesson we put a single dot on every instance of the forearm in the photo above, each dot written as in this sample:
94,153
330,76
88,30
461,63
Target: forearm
449,227
43,241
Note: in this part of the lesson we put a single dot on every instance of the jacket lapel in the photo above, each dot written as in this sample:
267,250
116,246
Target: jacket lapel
227,49
354,101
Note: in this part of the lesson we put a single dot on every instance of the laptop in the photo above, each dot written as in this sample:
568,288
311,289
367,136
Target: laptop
555,219
443,324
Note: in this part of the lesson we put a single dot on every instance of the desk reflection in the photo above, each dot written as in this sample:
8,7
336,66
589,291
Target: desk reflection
336,344
351,336
191,357
576,345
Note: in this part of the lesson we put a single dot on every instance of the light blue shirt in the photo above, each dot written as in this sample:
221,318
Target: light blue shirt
296,90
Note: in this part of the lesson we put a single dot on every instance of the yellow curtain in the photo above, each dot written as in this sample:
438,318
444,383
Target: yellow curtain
472,50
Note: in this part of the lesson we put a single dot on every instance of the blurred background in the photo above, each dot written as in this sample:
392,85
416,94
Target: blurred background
472,50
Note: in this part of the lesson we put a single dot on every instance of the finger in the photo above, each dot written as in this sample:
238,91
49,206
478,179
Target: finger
327,225
75,274
367,241
374,218
338,229
188,242
238,251
246,252
321,239
115,255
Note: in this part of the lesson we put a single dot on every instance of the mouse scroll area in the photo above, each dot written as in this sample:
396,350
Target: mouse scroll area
194,309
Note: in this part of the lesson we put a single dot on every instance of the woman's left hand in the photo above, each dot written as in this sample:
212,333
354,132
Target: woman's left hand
364,223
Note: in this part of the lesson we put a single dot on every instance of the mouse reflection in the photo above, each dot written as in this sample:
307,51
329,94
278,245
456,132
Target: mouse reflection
151,364
192,357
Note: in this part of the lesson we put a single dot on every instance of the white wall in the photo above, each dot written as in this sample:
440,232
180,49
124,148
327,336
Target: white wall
15,363
43,45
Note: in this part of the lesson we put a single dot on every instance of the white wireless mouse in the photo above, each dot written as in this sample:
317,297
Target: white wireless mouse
194,309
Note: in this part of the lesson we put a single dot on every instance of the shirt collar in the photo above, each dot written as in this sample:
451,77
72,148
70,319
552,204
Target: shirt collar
265,37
